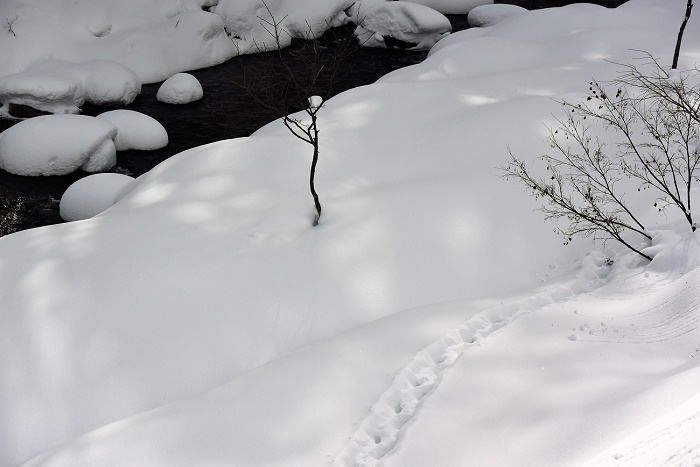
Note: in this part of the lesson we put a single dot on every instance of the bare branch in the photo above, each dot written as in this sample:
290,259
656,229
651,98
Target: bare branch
657,117
300,79
9,23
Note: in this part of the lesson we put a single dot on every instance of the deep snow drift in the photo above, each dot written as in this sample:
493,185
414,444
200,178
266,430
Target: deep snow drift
58,145
153,38
490,15
58,86
180,88
135,130
202,320
417,27
91,195
54,56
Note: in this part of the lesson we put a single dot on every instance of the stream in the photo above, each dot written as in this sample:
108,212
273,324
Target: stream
226,111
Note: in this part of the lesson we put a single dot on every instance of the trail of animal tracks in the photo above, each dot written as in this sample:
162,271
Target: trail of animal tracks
602,366
379,432
585,319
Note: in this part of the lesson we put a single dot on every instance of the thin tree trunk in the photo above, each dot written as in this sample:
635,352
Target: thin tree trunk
676,53
317,203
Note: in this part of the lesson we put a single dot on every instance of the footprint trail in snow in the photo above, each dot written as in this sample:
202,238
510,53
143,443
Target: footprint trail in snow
379,432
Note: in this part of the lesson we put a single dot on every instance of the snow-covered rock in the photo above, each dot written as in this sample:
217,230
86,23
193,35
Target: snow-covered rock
154,38
58,86
136,130
58,145
91,195
398,24
453,7
181,88
248,22
490,15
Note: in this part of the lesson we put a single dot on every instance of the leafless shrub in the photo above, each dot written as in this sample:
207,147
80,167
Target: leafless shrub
656,116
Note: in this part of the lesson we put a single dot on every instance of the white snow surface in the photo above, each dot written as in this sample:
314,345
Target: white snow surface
671,441
406,21
250,22
180,88
154,38
92,195
56,55
490,15
58,86
453,7
136,130
201,320
58,145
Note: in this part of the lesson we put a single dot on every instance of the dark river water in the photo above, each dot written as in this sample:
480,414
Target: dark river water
225,111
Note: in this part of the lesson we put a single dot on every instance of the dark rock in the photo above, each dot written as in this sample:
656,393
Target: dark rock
25,111
392,42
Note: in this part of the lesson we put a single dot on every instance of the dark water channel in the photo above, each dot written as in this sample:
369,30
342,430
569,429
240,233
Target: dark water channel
226,111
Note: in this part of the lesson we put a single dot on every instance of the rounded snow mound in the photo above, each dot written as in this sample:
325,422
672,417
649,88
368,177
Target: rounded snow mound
453,7
247,21
58,145
136,130
180,88
399,24
60,87
91,195
490,15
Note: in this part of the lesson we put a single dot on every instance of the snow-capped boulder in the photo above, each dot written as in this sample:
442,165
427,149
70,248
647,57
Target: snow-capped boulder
136,130
59,87
490,15
154,38
247,21
91,195
453,7
399,24
181,88
58,145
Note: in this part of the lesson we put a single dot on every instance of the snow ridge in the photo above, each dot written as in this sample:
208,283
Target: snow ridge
673,317
379,432
671,442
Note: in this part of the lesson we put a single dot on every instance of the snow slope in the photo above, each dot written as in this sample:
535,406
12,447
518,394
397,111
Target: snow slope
488,382
208,273
560,400
154,38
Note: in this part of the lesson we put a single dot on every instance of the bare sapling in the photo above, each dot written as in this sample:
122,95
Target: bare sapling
655,116
299,79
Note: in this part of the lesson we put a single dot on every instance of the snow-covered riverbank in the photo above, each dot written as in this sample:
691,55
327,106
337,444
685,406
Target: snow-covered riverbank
202,320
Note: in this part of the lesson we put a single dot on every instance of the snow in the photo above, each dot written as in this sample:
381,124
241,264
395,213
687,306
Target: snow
61,54
417,25
63,87
453,7
572,409
201,320
454,380
58,145
154,38
92,195
136,130
671,441
250,23
490,15
315,103
180,88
